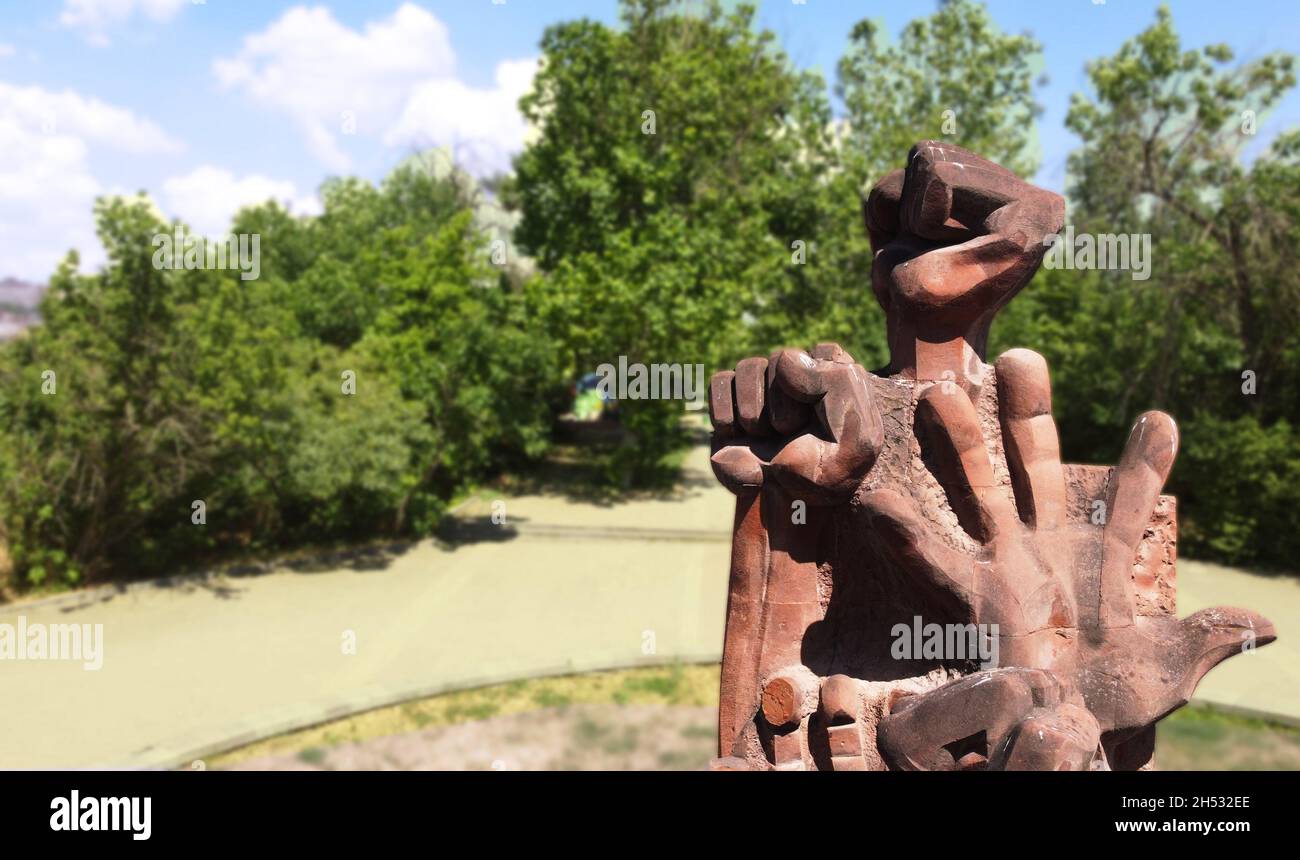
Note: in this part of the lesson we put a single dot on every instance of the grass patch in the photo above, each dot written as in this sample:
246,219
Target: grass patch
1194,738
312,755
1205,738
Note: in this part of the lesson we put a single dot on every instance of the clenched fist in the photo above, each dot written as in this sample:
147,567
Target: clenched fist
808,421
955,238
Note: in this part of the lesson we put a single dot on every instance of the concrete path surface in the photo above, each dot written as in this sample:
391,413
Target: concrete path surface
1266,680
193,667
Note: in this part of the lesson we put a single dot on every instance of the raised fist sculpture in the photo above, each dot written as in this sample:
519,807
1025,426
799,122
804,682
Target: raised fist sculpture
884,520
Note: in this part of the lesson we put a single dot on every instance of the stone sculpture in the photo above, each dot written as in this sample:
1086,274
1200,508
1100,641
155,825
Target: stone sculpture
930,496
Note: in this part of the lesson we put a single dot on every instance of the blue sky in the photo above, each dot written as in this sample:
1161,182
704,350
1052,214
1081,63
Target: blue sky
209,105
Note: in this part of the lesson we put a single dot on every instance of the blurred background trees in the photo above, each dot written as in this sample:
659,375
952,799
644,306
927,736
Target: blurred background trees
688,196
1212,337
179,386
675,167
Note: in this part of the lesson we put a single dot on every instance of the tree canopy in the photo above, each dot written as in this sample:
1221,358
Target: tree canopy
688,196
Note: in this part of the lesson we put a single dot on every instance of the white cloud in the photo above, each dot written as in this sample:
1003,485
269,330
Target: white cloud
483,128
394,79
6,50
88,119
207,197
94,17
320,72
47,190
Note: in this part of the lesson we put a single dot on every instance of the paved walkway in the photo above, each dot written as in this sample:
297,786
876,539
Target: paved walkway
194,667
1266,680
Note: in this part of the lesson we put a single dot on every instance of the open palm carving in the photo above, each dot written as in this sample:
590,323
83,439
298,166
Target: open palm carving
1085,673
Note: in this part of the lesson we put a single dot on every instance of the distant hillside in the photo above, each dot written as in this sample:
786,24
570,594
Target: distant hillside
22,294
18,301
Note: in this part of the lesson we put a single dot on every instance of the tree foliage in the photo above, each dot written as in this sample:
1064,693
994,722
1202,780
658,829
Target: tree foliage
666,188
1213,335
950,76
172,387
688,197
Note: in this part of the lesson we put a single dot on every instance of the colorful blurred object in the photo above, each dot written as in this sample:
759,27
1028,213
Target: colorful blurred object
589,402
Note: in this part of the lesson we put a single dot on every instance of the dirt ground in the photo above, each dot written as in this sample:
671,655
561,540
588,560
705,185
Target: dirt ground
568,737
654,718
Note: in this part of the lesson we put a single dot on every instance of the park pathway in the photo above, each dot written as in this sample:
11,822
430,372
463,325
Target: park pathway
199,665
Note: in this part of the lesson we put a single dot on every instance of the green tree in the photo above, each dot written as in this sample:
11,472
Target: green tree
328,265
459,345
101,429
668,182
951,76
1163,134
150,387
1171,125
